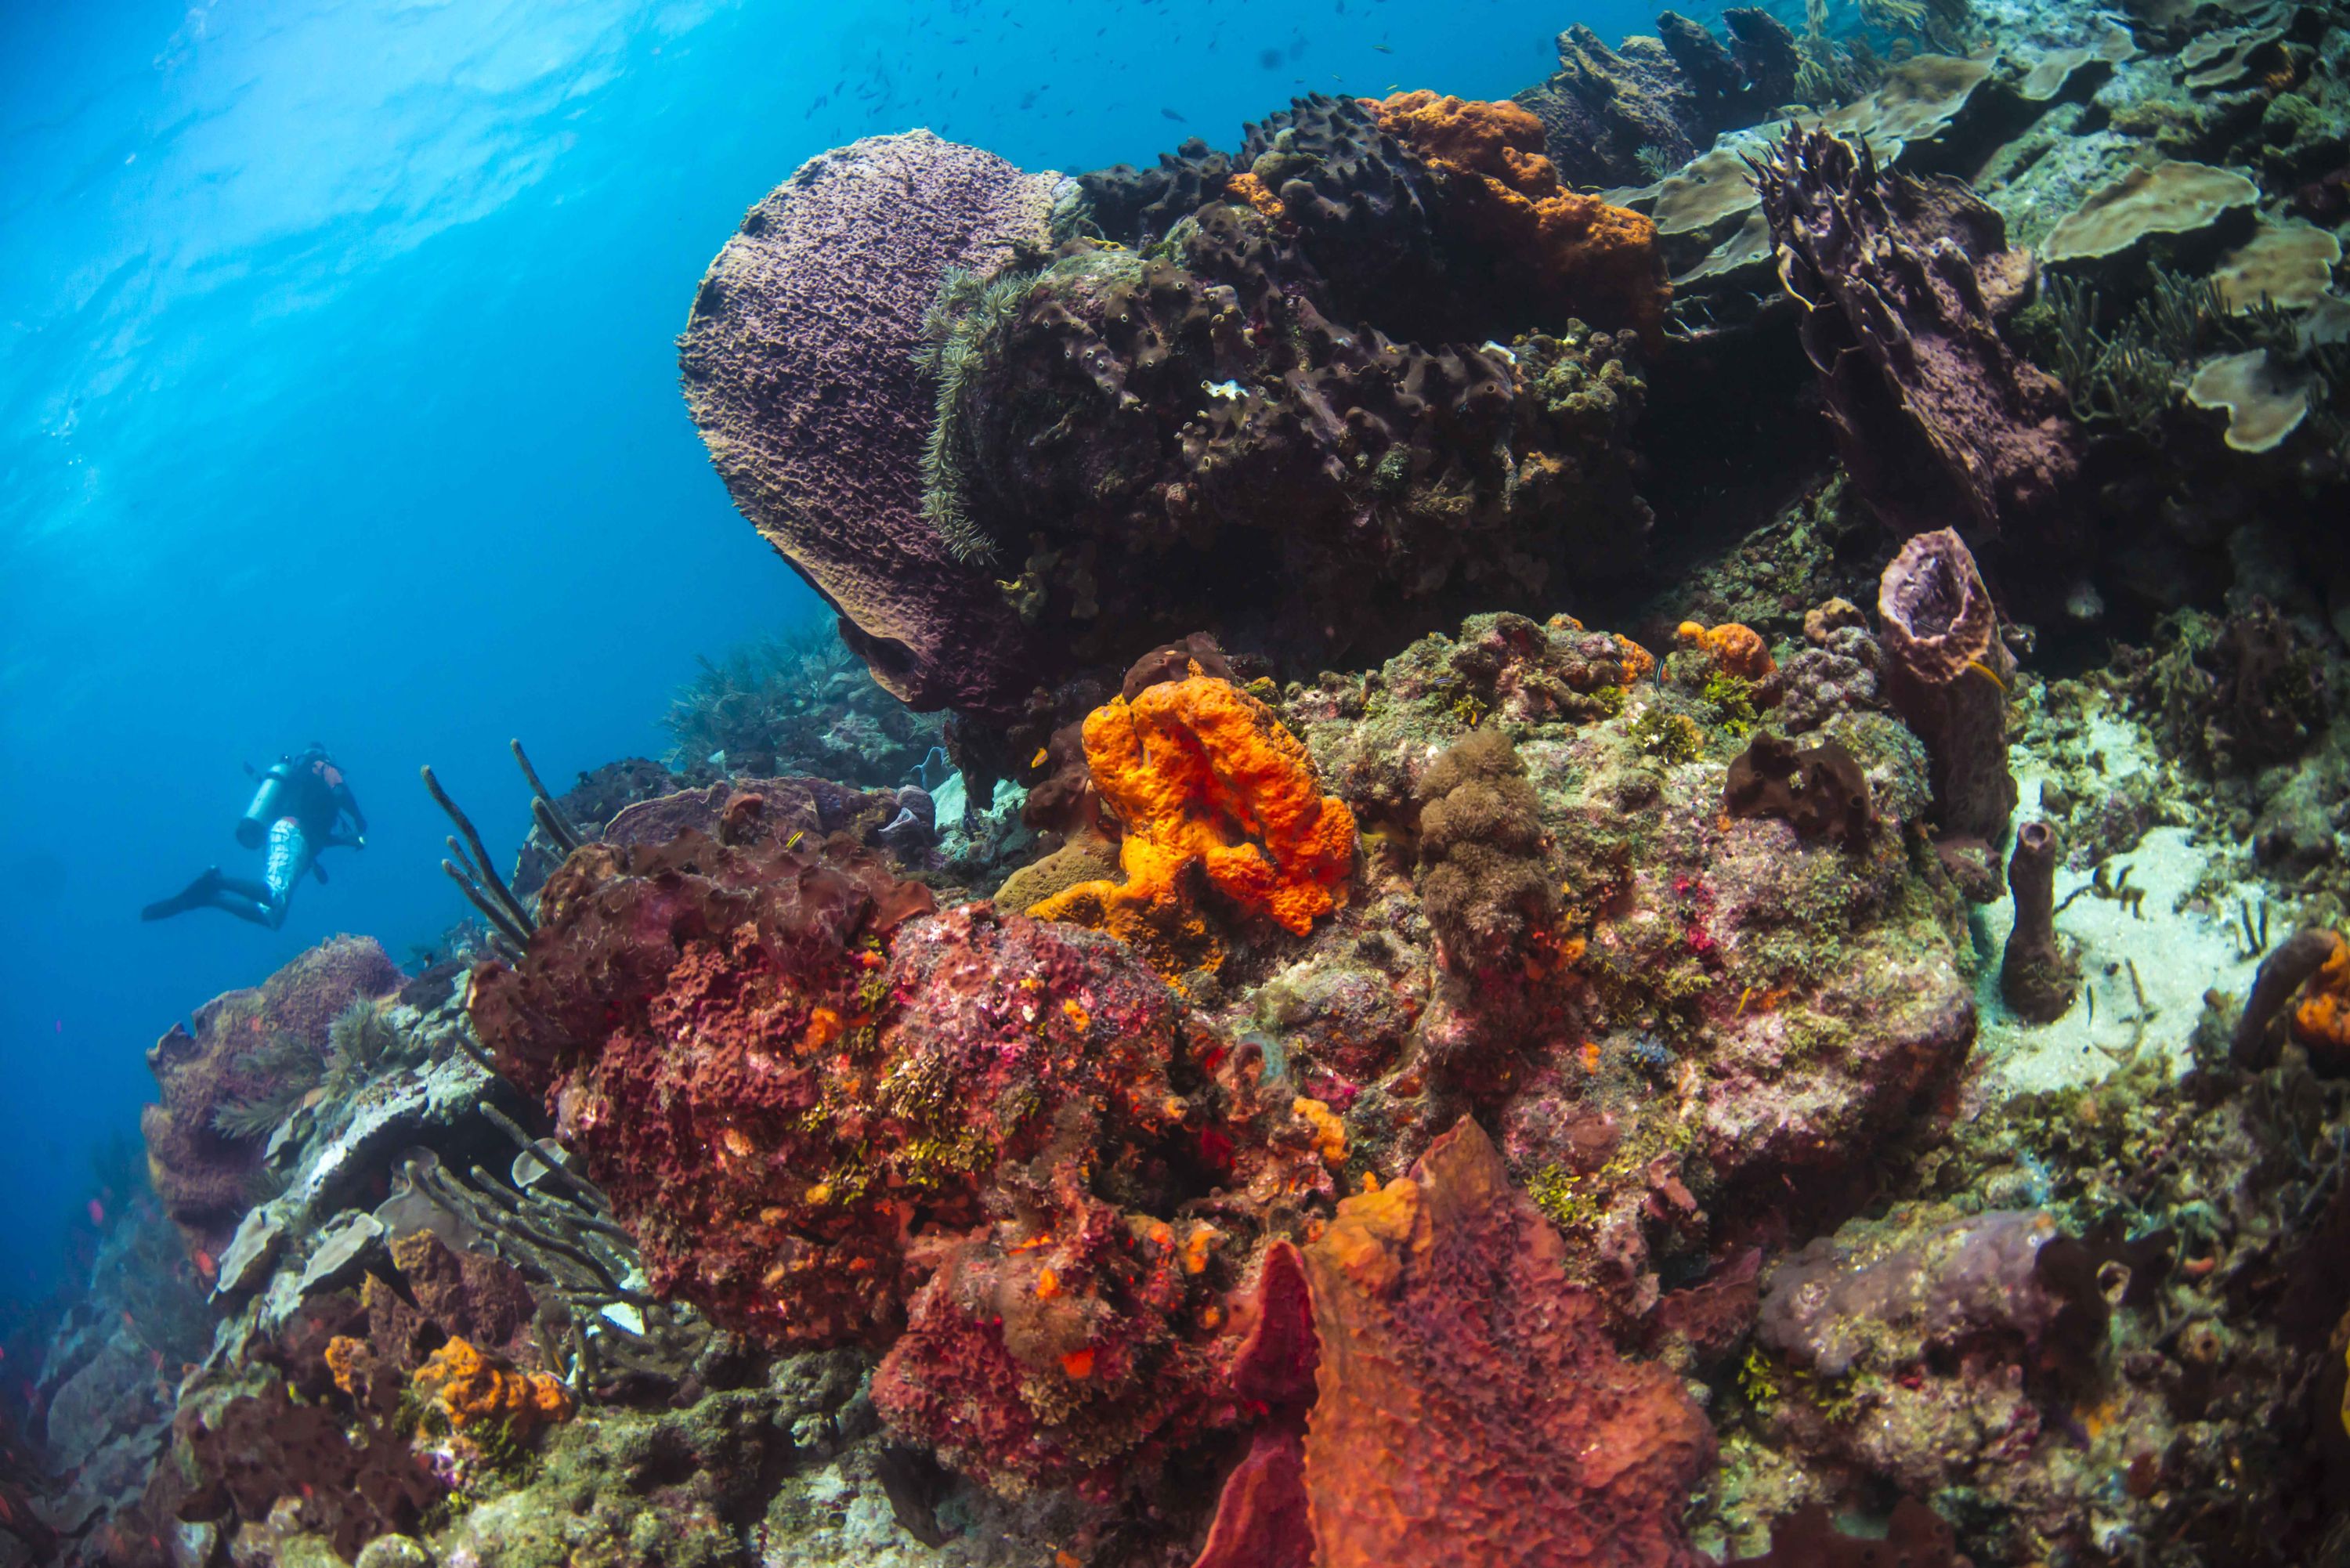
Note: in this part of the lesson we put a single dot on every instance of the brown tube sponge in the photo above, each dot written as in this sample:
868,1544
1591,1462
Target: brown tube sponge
1947,672
2283,972
2036,976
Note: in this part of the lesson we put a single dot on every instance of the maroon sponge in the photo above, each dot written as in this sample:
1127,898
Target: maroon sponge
799,369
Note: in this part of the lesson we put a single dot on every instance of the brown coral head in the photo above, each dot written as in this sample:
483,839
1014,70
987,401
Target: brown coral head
1821,789
1197,654
1934,614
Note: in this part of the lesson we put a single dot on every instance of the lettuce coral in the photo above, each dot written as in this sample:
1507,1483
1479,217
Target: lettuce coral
1577,252
1202,774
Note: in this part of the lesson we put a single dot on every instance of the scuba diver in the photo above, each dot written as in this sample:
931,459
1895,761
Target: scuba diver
297,811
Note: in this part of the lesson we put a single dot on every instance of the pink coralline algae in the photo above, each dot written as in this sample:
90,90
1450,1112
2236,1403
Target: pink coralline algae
798,363
1903,282
999,1146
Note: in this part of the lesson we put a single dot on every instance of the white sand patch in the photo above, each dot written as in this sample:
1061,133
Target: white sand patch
2145,965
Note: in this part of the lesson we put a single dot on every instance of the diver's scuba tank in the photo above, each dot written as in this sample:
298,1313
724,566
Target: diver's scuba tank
268,804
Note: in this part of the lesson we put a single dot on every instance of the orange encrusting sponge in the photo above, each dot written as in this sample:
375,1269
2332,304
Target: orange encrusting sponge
1601,262
1201,773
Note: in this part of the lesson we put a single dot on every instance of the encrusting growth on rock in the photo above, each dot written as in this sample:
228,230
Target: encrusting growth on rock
1735,650
1483,880
1587,256
470,1388
1416,1451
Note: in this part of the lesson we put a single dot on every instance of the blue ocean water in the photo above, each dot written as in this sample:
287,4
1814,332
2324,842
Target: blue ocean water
338,401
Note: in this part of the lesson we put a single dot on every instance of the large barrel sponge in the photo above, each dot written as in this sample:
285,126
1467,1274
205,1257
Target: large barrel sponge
799,368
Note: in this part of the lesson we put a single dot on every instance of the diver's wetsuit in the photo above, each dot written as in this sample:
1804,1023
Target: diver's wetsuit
310,812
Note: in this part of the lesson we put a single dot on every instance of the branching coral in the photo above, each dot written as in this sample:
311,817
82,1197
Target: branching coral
2236,694
792,705
1624,116
1203,776
2131,374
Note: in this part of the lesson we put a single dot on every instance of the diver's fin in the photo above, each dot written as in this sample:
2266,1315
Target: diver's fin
196,895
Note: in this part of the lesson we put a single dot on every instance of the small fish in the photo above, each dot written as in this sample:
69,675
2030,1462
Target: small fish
97,1212
1383,48
793,841
1170,114
204,1264
1985,670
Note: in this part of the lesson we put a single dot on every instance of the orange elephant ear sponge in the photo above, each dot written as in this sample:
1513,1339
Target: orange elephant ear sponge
1593,260
1208,787
1468,1405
